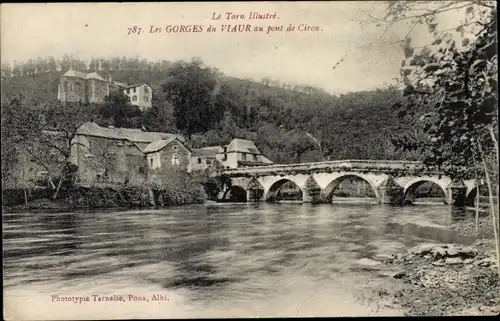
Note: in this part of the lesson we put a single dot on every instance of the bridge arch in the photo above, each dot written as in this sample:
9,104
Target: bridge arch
328,191
471,194
470,197
413,184
275,187
235,193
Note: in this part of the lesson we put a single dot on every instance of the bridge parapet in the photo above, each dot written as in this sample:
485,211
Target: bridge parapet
363,165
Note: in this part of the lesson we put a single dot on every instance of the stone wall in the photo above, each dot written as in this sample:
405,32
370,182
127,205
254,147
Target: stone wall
73,90
110,160
167,153
97,90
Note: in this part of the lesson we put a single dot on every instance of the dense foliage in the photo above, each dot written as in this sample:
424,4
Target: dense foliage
451,101
451,94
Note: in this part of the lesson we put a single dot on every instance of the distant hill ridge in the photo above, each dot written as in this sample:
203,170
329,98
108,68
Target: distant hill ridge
43,86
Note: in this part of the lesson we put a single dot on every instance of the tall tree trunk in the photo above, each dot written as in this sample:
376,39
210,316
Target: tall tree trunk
25,197
477,194
477,206
60,183
52,185
495,143
492,207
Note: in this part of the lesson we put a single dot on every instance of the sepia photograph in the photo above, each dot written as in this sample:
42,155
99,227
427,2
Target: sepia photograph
180,160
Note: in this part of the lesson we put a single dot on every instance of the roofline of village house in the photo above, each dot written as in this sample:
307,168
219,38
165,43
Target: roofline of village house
105,80
133,86
236,151
132,141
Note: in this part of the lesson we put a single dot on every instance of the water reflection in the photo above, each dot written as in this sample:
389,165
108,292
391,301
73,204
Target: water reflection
258,259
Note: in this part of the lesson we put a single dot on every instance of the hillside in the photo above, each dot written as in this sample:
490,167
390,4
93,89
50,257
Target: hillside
348,126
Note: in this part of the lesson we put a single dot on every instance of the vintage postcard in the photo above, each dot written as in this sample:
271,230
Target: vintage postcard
249,159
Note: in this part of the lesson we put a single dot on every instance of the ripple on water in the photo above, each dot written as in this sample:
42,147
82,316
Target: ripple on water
221,261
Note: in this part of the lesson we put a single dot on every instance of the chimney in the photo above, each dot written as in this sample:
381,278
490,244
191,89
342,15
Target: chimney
110,78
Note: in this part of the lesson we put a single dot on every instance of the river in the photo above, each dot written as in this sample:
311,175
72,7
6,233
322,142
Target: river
228,260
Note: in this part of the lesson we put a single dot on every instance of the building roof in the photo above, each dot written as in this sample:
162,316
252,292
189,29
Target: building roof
138,85
206,151
82,140
242,146
120,84
75,73
251,163
130,134
94,75
159,144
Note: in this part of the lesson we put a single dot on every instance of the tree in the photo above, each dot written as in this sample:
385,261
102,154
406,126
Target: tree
159,118
450,100
118,109
66,62
407,16
194,91
52,65
44,132
41,65
6,69
299,142
116,64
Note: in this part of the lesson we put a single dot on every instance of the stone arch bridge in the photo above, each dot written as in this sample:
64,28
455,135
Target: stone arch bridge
391,181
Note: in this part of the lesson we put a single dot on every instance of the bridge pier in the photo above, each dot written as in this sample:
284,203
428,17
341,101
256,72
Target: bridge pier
311,192
390,194
311,195
456,194
254,195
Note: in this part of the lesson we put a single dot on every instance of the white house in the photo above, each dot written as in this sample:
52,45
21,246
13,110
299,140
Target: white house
140,95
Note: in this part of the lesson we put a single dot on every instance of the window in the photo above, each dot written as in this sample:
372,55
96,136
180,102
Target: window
199,160
146,99
175,159
146,90
255,158
151,162
175,148
134,98
134,89
209,162
244,156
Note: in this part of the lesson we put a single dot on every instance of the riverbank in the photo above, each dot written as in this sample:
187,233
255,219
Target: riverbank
82,198
448,279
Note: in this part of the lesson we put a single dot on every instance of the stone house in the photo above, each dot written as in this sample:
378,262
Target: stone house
167,153
238,153
124,155
75,86
205,157
241,153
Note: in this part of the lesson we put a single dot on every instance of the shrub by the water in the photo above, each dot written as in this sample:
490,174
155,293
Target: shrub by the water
165,189
177,187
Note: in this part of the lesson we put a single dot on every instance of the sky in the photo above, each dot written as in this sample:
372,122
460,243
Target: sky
297,57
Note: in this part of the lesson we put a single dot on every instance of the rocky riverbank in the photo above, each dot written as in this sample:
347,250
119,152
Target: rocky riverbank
448,279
